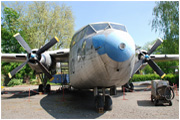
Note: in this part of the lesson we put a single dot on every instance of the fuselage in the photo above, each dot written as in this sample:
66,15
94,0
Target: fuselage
101,55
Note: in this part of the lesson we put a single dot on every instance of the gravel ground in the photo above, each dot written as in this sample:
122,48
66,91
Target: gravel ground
80,105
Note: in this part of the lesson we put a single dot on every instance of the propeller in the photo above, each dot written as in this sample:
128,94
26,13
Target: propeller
17,69
144,57
33,57
22,43
48,45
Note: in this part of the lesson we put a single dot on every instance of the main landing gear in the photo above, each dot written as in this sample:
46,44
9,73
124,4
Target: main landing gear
44,87
102,100
128,87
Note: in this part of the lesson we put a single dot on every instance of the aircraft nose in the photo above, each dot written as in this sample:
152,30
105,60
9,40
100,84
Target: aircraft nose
118,45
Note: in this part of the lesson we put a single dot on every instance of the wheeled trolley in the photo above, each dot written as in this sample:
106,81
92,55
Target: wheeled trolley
161,92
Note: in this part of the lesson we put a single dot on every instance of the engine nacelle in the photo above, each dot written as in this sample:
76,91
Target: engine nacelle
46,60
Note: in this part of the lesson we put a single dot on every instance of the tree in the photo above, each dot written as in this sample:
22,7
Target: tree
9,44
8,28
167,67
166,20
41,21
37,22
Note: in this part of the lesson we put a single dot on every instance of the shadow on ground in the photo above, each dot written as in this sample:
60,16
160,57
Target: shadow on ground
148,103
75,105
145,103
18,94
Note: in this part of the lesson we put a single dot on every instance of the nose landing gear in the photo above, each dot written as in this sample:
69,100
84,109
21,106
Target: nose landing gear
102,101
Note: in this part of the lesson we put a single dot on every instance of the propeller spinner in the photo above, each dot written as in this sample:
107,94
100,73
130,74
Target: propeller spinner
33,57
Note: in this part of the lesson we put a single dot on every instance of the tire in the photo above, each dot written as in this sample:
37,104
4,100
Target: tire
124,89
40,89
156,102
152,100
108,103
48,88
99,102
131,87
170,103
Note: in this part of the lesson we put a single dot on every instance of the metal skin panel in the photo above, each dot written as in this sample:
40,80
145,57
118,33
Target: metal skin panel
97,68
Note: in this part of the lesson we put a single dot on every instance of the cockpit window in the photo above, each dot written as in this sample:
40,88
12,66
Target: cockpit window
89,30
99,27
118,27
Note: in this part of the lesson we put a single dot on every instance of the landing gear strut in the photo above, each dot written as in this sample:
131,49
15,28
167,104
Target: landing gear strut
44,87
102,101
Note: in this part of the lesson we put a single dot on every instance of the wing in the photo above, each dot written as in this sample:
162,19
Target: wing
13,57
61,55
164,57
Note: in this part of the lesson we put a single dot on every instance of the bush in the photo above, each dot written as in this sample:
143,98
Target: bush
170,77
14,82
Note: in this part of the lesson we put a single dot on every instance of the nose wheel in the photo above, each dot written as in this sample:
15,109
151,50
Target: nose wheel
99,103
108,103
102,101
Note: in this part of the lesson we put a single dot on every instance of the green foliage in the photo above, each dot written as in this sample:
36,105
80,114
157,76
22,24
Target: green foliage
138,77
43,20
34,82
14,82
10,19
148,46
9,44
167,67
26,70
37,23
166,20
170,77
147,70
8,28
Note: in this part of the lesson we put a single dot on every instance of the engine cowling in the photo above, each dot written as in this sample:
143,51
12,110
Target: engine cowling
46,60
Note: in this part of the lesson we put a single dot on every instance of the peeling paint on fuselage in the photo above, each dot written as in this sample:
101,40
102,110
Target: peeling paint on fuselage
102,63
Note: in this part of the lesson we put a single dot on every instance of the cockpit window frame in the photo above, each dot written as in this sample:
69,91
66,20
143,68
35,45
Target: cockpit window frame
80,34
98,24
83,31
125,30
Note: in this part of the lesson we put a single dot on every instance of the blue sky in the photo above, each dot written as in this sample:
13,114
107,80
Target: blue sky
135,15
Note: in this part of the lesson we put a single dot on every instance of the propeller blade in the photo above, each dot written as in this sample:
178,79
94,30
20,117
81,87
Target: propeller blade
153,48
43,68
48,45
156,68
137,66
13,72
22,42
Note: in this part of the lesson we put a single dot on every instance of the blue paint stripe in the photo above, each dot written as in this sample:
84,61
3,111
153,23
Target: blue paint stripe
110,45
98,43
